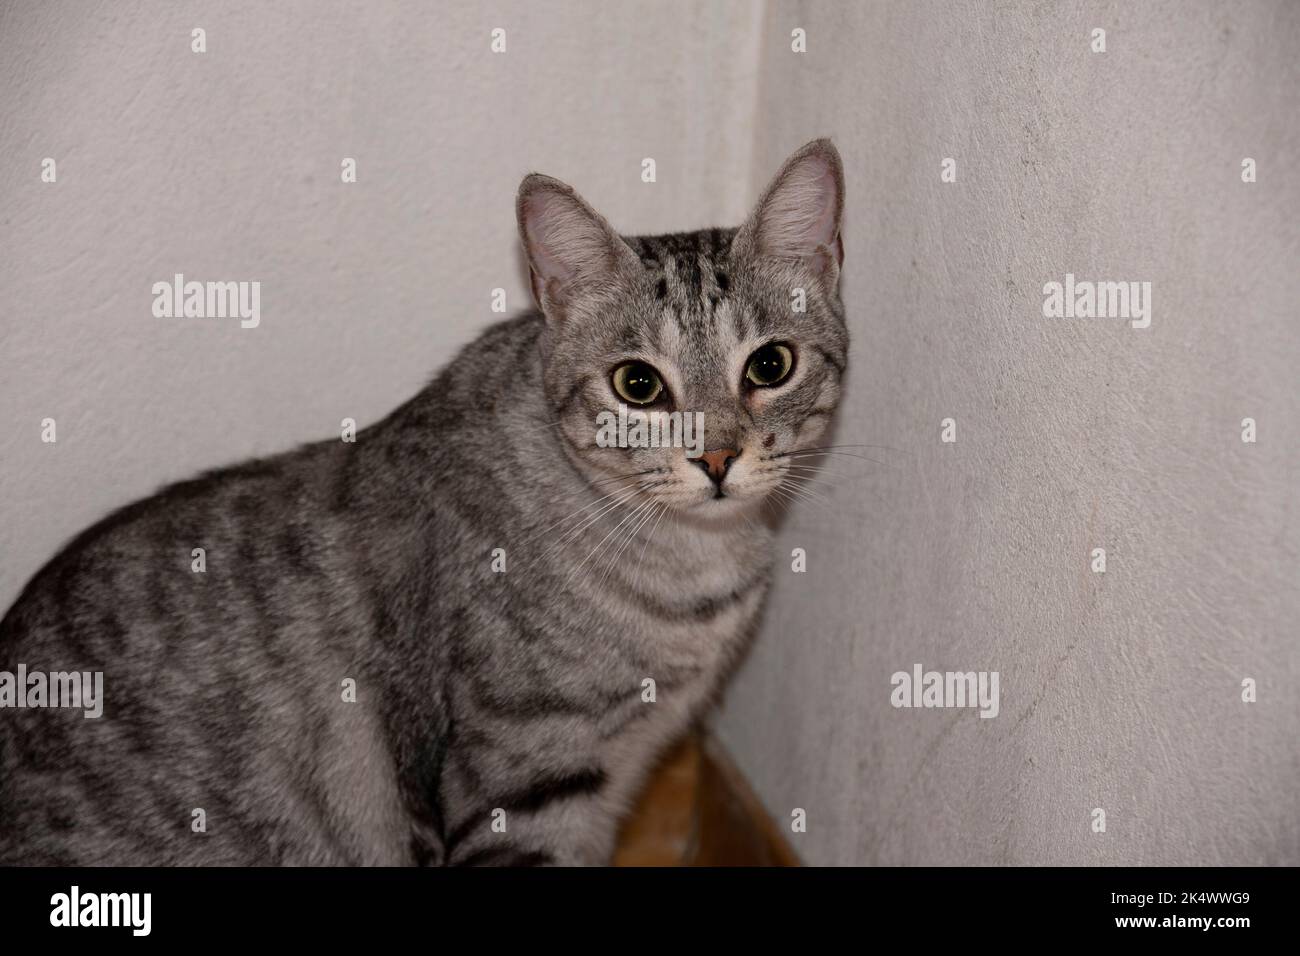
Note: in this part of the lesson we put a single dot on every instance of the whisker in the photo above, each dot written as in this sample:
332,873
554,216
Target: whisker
817,479
783,496
814,469
592,504
841,454
645,547
649,513
644,508
621,497
635,474
583,525
772,509
803,494
827,447
807,494
582,564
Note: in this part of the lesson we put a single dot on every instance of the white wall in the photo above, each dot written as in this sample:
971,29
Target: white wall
1118,691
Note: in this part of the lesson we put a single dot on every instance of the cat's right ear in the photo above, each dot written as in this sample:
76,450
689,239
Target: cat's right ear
569,245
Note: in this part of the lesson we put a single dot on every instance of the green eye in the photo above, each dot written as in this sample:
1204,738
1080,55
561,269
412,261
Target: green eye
637,383
769,366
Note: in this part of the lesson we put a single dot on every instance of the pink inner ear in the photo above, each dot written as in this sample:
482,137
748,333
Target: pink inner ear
799,216
822,227
542,215
567,241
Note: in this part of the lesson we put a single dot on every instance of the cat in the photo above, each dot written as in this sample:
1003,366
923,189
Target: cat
464,638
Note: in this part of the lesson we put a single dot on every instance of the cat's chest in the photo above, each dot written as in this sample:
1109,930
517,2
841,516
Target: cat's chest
598,627
686,604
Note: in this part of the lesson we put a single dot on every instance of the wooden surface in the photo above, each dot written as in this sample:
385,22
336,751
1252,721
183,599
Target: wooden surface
698,810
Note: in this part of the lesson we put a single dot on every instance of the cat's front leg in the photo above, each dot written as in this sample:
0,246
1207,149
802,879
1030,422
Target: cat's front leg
573,831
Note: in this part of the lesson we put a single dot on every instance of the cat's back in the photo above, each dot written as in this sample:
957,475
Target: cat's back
161,558
225,615
221,613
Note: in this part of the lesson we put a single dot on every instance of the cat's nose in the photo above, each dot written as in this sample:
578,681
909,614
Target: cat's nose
716,462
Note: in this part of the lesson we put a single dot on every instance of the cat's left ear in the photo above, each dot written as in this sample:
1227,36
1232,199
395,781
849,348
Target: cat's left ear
570,246
798,217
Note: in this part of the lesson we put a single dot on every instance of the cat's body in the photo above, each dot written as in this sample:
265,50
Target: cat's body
478,689
355,560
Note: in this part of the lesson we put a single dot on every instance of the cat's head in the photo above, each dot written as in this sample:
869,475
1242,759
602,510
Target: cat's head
743,326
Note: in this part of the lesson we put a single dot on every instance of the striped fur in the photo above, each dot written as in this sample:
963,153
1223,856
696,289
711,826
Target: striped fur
481,696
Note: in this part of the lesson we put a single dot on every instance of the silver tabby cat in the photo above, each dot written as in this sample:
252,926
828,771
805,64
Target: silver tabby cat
500,716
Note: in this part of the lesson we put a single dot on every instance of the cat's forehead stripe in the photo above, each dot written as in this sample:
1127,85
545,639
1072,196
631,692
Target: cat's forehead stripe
691,271
700,319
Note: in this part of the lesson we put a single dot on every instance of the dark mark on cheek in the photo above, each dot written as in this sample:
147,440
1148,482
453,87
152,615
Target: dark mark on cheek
770,440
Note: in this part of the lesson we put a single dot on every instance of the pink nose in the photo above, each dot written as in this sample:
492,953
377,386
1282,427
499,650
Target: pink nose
717,462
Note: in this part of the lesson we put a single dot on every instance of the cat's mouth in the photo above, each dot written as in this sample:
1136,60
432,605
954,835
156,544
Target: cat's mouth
724,508
728,496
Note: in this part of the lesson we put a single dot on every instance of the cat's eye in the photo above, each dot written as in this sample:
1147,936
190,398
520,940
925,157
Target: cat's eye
770,365
637,383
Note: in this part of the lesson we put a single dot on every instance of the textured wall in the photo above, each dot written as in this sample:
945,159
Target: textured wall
1118,690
